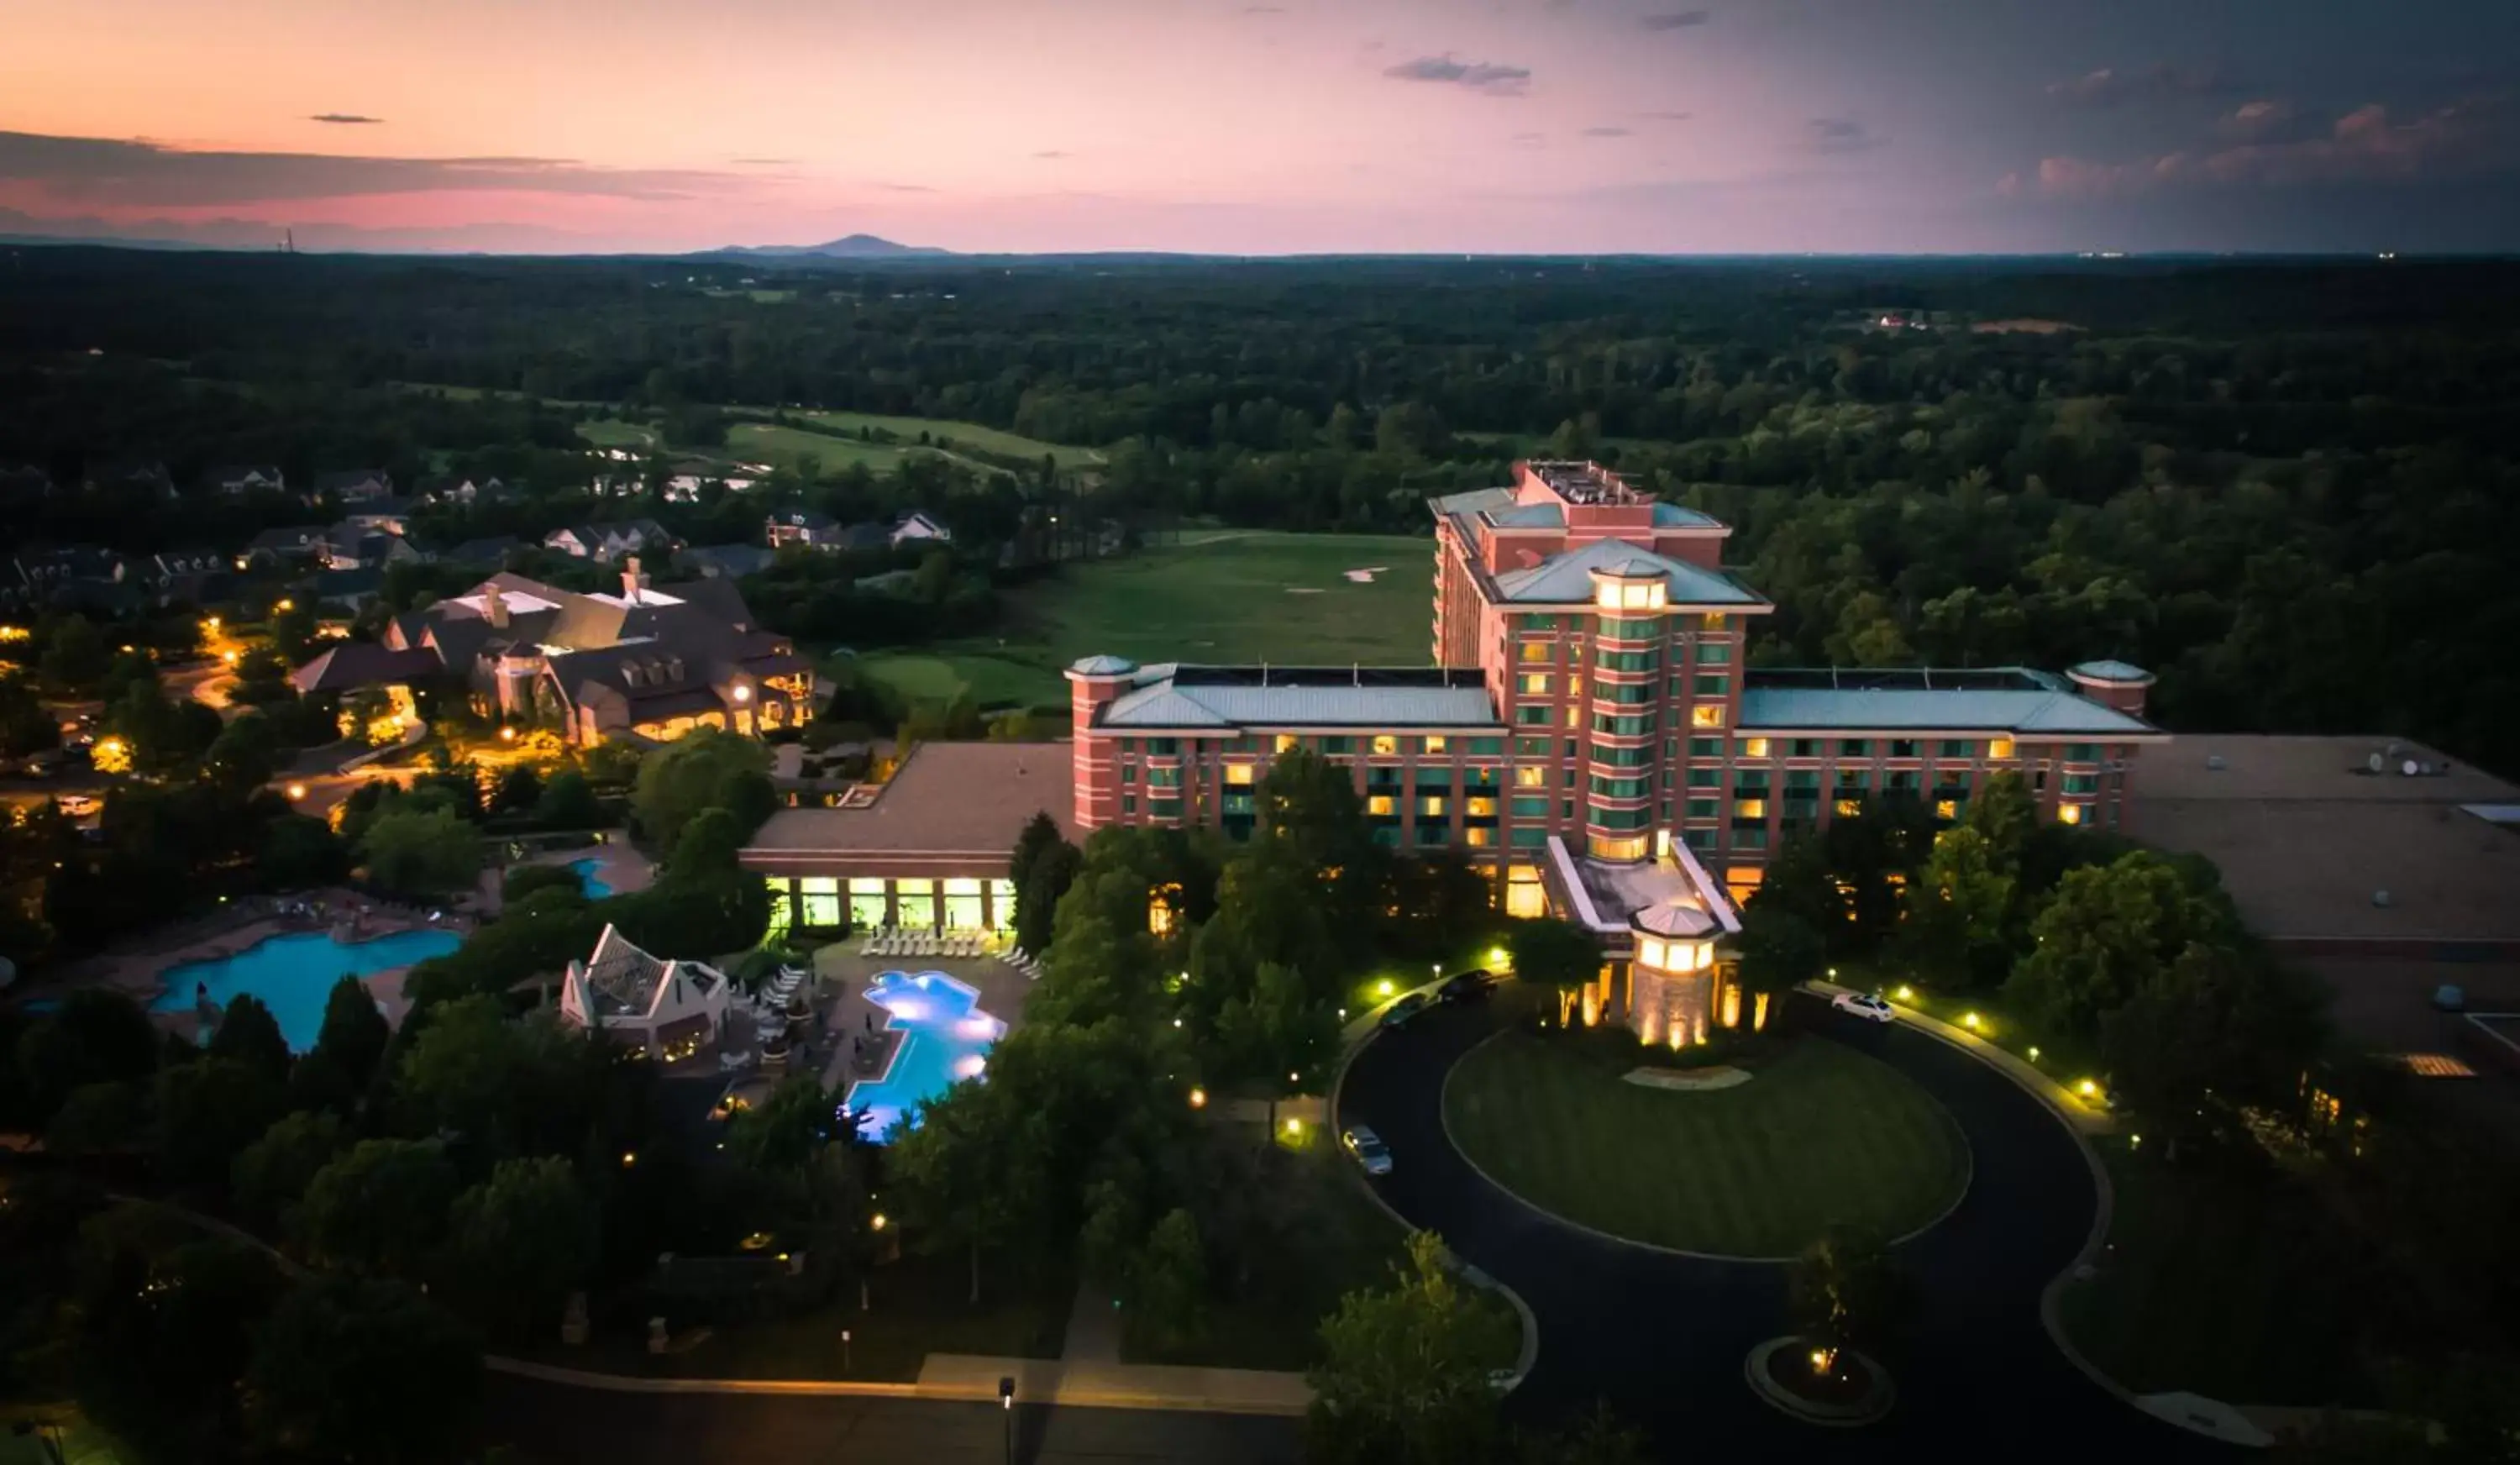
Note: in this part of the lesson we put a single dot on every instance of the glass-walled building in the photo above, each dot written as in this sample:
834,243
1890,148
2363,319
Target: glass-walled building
925,851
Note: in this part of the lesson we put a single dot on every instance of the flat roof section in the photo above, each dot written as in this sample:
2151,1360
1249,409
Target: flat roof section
2305,835
952,808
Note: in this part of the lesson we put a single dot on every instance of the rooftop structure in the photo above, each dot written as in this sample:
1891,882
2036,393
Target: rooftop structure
669,1008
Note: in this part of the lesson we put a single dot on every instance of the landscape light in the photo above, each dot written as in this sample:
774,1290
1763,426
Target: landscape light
1969,1021
1383,988
2034,1052
876,1222
1497,957
296,791
1294,1125
629,1158
1907,994
507,735
1198,1098
2088,1088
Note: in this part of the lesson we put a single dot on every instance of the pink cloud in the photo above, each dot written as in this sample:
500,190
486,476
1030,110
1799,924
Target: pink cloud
2365,144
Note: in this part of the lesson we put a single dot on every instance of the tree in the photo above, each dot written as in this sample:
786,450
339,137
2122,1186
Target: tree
354,1033
1403,1377
423,854
519,1243
2108,932
1311,805
1780,950
271,1175
1277,1034
1168,1286
2218,1029
76,656
207,1111
710,768
251,1035
785,1130
159,1332
100,1119
364,1372
968,1173
2004,815
520,790
1551,953
379,1209
27,726
298,852
1956,914
1040,833
1038,894
523,882
96,1036
567,802
1844,1294
244,755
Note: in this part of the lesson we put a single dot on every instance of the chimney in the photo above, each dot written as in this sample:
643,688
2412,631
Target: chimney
494,605
633,580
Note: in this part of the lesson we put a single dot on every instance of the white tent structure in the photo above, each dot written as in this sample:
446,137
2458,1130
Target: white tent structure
669,1008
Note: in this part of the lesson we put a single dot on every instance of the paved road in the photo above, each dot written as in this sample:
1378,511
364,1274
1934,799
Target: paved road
560,1426
1663,1337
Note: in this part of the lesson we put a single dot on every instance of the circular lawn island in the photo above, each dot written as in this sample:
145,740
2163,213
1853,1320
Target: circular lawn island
1819,1135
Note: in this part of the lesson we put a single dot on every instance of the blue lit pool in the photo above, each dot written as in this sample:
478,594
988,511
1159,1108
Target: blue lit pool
294,974
945,1037
588,880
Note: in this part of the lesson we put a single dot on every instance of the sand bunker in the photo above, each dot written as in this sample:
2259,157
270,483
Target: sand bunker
1365,575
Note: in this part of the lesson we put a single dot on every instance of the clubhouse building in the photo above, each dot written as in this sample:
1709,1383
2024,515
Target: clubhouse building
1590,733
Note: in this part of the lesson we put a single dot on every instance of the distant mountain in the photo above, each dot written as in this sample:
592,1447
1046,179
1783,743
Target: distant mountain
855,247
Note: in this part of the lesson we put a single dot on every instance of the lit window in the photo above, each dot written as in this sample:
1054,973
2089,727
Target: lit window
1750,808
1706,715
1288,742
1630,847
1433,743
1532,684
1380,803
1848,807
1239,775
1713,620
2001,748
1481,807
1385,745
1754,747
1478,838
1531,776
2069,813
1649,950
1947,808
1432,805
1536,650
1575,685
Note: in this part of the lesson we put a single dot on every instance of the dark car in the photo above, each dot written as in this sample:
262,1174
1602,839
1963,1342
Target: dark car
1406,1008
1462,987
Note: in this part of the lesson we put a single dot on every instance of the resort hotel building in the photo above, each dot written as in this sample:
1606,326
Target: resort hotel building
1589,733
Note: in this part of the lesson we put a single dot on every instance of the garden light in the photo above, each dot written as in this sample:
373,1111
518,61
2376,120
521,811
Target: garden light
876,1222
1198,1098
1907,994
296,791
2088,1088
1969,1020
1383,988
507,735
2034,1052
1294,1125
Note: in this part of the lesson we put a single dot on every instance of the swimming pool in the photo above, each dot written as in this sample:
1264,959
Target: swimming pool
294,974
945,1037
588,880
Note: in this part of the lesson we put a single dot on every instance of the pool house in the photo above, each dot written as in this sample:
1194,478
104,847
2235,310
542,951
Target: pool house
925,851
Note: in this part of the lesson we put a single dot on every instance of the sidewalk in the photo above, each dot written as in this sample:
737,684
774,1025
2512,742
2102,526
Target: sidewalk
966,1378
2084,1119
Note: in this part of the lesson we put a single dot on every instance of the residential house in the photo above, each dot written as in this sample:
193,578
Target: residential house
354,485
75,577
295,545
188,577
353,589
685,488
462,489
236,481
354,665
648,662
915,526
387,515
606,542
351,545
809,528
668,1009
726,561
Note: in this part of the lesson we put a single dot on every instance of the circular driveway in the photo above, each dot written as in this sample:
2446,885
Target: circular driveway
1662,1336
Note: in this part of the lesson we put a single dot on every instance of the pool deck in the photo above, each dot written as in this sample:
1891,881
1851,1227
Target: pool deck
140,969
617,864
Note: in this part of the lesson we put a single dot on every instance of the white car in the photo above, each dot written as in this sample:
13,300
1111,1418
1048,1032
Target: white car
80,805
1862,1005
1369,1149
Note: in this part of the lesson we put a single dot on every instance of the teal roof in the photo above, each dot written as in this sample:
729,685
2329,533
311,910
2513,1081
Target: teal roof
1473,501
1104,666
1529,516
1227,697
2110,671
1682,517
1566,579
1865,709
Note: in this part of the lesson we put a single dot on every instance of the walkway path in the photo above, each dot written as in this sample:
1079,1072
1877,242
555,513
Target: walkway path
1093,1326
1663,1337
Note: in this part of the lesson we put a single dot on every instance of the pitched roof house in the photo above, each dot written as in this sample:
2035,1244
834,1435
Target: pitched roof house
235,480
355,485
606,542
810,527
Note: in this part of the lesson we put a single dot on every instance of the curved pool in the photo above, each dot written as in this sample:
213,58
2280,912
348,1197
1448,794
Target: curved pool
590,878
294,974
945,1037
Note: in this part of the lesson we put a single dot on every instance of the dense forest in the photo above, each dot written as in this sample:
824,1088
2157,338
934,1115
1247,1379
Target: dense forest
2288,487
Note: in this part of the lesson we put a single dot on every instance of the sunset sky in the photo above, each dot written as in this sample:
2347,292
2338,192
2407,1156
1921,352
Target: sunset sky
1297,126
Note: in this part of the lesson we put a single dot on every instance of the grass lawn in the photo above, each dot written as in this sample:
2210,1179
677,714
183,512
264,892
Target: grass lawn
920,1308
1238,598
1017,676
2236,1286
767,442
1822,1135
952,434
614,432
